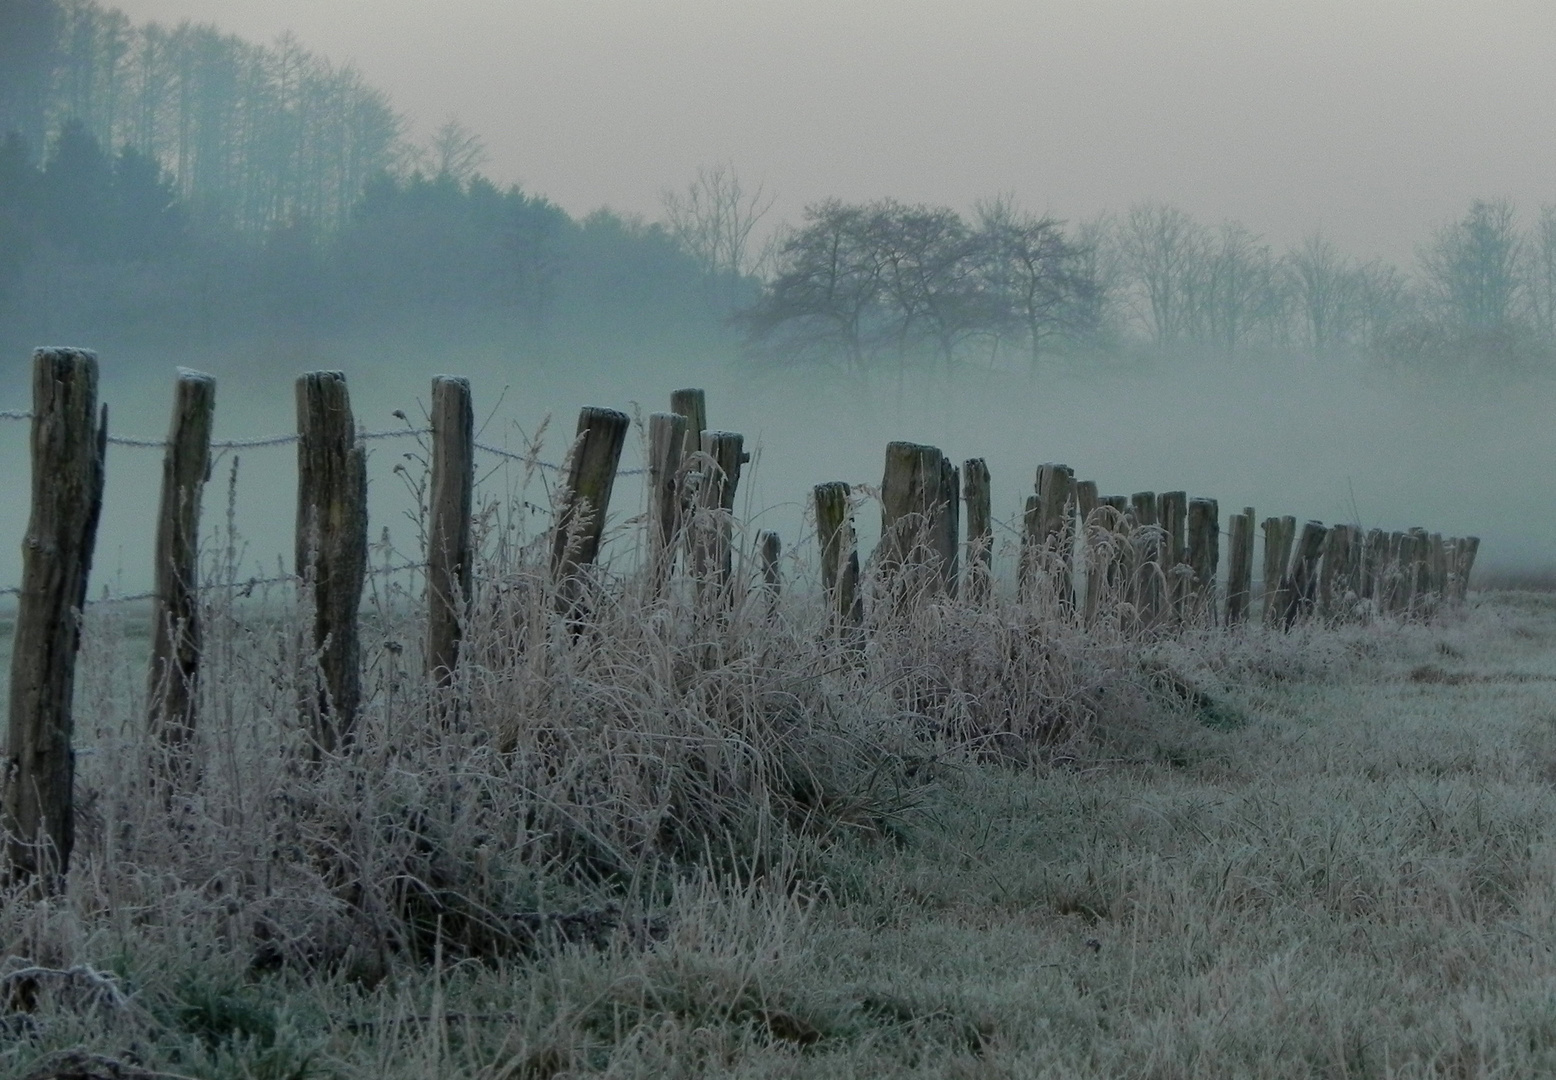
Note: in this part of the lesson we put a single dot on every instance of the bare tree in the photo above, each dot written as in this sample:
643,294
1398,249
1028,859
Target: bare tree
1165,251
1540,252
714,218
825,297
1040,279
1473,268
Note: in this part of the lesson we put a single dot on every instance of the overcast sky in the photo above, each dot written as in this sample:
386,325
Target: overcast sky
1374,119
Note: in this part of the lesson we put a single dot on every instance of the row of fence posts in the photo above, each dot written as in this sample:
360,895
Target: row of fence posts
1156,555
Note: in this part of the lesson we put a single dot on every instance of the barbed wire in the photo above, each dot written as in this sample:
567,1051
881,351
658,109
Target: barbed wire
292,437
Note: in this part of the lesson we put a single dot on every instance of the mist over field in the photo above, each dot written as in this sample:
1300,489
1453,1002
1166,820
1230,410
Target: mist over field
174,194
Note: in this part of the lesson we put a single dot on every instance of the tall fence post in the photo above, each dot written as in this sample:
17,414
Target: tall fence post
448,535
666,444
839,555
1370,569
691,403
1056,527
1147,583
1279,532
1172,508
69,438
913,498
331,548
978,580
1464,561
947,525
173,680
1239,571
586,498
1204,556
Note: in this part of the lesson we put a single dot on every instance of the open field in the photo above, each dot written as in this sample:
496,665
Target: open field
1338,864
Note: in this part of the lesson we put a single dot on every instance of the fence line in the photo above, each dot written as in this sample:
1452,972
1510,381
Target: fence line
1153,556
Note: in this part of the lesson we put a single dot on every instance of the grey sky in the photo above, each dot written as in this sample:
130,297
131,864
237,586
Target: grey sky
1375,119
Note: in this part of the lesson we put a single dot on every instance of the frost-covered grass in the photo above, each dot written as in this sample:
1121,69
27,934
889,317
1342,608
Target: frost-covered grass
680,839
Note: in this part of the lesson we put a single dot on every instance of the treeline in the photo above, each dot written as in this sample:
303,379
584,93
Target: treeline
102,246
883,285
251,135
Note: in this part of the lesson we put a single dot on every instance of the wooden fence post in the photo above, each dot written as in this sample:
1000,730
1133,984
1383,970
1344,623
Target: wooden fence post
1301,585
1115,570
1239,571
449,553
1056,529
839,555
912,508
69,438
1437,562
1172,509
1332,570
1204,556
1374,551
978,582
1147,584
716,507
1279,532
1393,590
331,548
1464,558
666,443
173,681
692,404
945,525
585,500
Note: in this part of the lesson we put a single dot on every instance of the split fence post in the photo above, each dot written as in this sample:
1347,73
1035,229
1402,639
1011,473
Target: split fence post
1172,508
585,499
839,555
173,680
331,549
69,438
1147,583
1301,584
769,551
716,497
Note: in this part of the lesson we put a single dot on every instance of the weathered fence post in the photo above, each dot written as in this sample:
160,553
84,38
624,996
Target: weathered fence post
666,443
839,555
1464,560
1114,568
69,437
331,548
692,404
946,523
1395,591
1056,527
448,528
1332,574
1172,508
1301,583
1437,562
913,498
1279,532
173,681
1374,551
713,552
1204,556
1147,583
1239,571
585,500
979,579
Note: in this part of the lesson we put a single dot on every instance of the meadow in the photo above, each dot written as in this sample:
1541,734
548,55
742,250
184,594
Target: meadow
689,838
